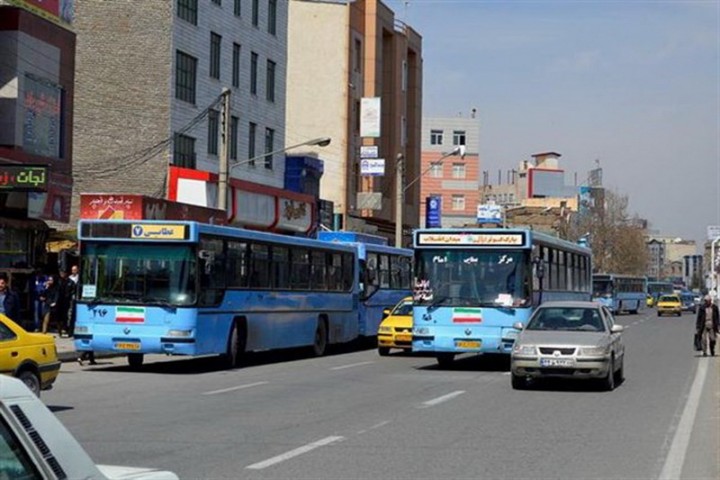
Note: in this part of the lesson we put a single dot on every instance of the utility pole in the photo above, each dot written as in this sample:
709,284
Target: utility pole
224,152
399,199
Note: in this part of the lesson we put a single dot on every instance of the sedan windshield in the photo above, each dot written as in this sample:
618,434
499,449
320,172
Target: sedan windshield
567,319
404,308
139,274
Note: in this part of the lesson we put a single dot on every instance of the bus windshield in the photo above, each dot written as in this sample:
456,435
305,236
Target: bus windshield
602,287
472,278
138,273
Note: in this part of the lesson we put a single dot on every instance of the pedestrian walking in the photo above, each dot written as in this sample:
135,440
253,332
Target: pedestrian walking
36,287
66,287
708,325
51,299
9,301
75,279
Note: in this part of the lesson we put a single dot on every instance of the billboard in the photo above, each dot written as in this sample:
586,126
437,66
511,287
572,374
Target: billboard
433,211
60,12
42,122
370,117
489,213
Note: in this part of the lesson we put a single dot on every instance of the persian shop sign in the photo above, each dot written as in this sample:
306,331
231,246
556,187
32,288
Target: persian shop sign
24,178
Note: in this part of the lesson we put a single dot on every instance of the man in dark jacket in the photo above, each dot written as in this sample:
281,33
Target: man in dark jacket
708,325
9,301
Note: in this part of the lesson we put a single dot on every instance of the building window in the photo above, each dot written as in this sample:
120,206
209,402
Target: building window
458,137
234,122
255,12
215,40
270,81
269,141
404,79
358,55
436,170
458,170
187,10
213,131
436,137
185,73
237,9
272,17
252,134
184,151
236,65
458,202
253,72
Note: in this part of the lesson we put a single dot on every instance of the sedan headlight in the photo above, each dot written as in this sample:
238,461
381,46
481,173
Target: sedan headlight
594,351
385,329
525,350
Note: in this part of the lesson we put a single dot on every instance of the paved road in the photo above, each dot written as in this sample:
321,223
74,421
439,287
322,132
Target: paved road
356,415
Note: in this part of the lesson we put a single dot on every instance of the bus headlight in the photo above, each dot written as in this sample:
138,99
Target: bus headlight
81,329
179,333
421,331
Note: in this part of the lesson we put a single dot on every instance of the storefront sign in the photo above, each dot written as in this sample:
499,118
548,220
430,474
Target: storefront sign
24,178
433,211
103,206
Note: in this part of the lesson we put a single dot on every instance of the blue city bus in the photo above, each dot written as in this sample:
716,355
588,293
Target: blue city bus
186,288
620,293
385,275
472,285
657,288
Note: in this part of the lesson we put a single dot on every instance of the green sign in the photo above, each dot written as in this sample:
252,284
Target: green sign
24,178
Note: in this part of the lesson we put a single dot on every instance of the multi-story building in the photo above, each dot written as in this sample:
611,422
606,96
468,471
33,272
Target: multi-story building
356,75
693,271
150,76
454,179
666,256
37,56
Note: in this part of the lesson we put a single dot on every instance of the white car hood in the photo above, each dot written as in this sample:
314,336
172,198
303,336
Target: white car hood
116,472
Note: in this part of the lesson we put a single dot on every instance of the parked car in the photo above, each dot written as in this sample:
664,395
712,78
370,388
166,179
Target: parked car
669,304
576,340
34,444
395,331
31,357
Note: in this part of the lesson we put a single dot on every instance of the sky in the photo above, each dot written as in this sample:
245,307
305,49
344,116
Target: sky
633,84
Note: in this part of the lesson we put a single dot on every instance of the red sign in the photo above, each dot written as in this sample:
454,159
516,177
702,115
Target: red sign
105,206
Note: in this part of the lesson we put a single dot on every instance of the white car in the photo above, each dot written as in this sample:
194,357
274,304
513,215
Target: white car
35,445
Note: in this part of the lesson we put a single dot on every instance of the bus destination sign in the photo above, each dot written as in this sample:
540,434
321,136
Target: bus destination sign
158,232
495,239
24,178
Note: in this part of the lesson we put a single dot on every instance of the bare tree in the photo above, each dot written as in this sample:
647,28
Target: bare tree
616,239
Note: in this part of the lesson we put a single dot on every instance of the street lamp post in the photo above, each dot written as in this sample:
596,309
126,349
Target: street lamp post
400,190
222,185
713,269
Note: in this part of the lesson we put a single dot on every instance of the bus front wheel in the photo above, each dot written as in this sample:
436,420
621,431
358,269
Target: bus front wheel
445,360
135,360
236,345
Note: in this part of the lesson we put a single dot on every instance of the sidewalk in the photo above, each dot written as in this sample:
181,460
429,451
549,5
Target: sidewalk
67,353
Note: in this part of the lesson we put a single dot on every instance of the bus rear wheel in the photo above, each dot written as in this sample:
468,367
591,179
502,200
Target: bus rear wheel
135,360
321,338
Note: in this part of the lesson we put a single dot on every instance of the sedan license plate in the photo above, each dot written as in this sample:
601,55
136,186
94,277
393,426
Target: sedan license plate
557,362
403,337
467,343
127,346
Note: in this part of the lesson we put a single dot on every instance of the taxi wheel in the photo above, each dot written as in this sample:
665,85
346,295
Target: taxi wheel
383,351
31,381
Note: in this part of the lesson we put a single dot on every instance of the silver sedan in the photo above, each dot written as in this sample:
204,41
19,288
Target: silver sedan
569,340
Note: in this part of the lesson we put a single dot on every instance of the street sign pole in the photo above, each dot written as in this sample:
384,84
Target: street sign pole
713,269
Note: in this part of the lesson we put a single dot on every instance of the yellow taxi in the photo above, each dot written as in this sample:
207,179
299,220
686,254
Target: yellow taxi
649,301
31,357
395,331
669,304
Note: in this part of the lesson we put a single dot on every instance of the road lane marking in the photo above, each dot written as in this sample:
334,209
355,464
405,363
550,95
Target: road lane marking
678,448
376,426
442,399
232,389
294,453
359,364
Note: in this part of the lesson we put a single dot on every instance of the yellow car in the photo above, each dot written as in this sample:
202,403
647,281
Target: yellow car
31,357
395,331
669,304
649,301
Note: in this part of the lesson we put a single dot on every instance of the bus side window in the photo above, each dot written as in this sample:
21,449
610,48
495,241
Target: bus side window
348,271
213,271
237,264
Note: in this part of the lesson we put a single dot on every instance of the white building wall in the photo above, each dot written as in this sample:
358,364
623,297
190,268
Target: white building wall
195,40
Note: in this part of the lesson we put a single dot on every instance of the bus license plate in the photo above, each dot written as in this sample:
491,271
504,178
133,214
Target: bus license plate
467,344
557,362
127,346
403,338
